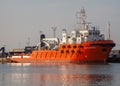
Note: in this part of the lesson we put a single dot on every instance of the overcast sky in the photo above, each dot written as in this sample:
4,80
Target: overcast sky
21,20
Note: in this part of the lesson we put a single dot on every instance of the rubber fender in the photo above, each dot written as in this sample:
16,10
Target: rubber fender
72,51
62,51
74,46
67,51
63,46
69,46
78,51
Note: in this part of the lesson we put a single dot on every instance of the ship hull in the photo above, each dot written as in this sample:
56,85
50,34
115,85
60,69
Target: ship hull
97,51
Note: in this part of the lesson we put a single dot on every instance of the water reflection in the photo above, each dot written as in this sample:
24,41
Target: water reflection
55,80
75,80
59,75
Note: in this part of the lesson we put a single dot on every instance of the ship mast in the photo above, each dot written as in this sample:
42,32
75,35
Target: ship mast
108,27
83,17
54,31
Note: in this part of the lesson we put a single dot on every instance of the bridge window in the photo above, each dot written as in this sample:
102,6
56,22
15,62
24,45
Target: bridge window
90,33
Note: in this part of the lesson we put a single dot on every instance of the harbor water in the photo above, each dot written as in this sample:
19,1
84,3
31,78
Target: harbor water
41,74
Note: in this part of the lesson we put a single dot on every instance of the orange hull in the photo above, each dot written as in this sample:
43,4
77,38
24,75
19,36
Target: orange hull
97,51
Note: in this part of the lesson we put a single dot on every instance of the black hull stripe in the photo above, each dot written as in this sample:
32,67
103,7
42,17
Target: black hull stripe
104,45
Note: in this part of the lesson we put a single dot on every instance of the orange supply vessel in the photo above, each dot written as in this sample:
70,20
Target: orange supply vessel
85,44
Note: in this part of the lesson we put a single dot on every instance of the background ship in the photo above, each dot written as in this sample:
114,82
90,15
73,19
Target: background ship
86,44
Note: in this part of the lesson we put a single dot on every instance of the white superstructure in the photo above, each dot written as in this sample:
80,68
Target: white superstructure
85,33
